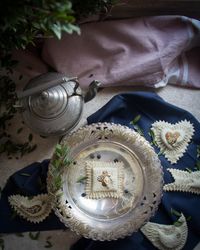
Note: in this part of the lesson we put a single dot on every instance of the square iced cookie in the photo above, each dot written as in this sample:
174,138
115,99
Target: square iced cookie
104,179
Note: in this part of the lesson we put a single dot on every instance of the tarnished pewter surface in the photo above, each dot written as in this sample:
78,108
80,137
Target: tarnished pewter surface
56,110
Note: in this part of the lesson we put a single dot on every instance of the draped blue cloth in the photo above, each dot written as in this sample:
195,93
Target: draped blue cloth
121,109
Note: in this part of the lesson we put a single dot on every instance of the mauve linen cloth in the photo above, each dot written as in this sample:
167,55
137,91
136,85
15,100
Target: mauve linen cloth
150,51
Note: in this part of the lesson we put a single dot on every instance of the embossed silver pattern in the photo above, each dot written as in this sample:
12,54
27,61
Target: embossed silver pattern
52,103
109,218
53,111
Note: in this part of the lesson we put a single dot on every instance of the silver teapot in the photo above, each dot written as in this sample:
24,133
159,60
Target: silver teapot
52,103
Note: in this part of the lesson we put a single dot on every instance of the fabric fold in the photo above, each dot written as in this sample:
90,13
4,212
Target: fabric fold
121,109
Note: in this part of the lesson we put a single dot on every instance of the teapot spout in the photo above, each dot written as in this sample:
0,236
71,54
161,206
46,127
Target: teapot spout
92,90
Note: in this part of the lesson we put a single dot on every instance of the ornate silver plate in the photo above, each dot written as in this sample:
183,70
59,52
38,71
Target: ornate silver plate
108,218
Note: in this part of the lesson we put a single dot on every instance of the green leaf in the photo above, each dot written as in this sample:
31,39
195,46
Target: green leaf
57,182
58,150
173,211
178,223
13,215
70,28
25,174
135,120
20,77
160,153
189,170
65,150
48,244
58,147
19,234
81,179
198,165
189,218
57,163
198,151
34,236
2,244
41,184
32,148
67,161
30,197
19,130
30,137
151,133
56,29
139,130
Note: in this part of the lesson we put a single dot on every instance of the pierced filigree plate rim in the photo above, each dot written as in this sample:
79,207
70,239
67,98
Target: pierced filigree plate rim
153,174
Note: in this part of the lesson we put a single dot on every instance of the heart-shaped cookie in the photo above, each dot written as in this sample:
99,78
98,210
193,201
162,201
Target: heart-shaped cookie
173,139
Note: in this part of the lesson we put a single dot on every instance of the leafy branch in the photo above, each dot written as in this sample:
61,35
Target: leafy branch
22,24
61,159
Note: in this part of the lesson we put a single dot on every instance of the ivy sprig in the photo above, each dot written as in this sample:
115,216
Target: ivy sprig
62,156
61,159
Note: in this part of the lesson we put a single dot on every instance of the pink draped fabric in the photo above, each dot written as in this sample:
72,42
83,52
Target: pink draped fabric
150,51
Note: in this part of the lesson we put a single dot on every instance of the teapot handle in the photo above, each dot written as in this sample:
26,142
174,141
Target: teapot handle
43,86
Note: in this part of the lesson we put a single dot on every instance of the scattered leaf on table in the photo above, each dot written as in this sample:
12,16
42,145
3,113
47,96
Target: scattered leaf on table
19,235
19,130
30,137
34,236
48,244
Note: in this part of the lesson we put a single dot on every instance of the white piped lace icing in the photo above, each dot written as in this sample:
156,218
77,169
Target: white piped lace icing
184,181
167,237
34,210
173,139
104,179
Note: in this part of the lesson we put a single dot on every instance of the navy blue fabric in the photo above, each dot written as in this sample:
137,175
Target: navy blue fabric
28,181
120,110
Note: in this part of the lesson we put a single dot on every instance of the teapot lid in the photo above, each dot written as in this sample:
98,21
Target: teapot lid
56,110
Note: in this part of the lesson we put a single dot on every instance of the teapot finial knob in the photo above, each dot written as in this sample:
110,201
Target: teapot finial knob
44,95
